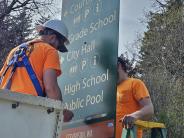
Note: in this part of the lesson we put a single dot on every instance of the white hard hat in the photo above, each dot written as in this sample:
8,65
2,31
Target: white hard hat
56,25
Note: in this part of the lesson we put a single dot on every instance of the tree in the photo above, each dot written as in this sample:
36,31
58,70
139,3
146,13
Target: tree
30,6
17,18
162,63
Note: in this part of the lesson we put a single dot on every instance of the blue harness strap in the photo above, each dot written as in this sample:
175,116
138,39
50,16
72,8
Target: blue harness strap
21,52
32,75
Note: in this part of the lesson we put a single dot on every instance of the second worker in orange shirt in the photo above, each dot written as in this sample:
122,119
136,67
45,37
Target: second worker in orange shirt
133,100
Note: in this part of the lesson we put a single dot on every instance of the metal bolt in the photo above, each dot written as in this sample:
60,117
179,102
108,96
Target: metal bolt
15,105
50,110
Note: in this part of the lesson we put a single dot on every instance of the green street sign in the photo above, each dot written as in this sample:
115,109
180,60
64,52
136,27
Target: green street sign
88,81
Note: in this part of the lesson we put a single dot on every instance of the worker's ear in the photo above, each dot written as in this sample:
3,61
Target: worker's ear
52,37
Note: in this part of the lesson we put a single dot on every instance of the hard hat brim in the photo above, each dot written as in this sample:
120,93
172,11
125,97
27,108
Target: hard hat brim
63,49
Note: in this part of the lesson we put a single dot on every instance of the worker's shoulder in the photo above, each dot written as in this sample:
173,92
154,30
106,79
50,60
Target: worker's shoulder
44,48
38,43
137,81
44,45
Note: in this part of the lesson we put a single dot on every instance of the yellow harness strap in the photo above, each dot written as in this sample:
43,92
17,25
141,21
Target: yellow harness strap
147,124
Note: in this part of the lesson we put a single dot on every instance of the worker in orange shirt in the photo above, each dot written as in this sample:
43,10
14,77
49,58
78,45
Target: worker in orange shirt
133,100
33,67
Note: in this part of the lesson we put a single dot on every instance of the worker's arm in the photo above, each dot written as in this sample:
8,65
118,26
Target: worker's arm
145,113
53,91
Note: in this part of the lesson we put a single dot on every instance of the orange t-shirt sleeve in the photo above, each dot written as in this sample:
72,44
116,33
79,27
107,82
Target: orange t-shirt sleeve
52,61
139,90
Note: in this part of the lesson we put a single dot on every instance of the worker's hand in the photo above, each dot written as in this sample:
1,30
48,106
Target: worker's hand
68,115
128,121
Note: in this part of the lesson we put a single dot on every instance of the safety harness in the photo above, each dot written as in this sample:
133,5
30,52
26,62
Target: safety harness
14,62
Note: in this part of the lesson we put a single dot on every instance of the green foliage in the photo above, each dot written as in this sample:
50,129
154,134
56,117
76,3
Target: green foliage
17,20
14,30
162,64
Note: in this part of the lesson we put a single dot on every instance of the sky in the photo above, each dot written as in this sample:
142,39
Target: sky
130,26
131,15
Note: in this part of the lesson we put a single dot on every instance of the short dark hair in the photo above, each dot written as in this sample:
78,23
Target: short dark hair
48,31
123,63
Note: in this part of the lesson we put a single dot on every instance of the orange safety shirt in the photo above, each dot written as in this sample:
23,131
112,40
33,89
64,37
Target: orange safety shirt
42,57
129,92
